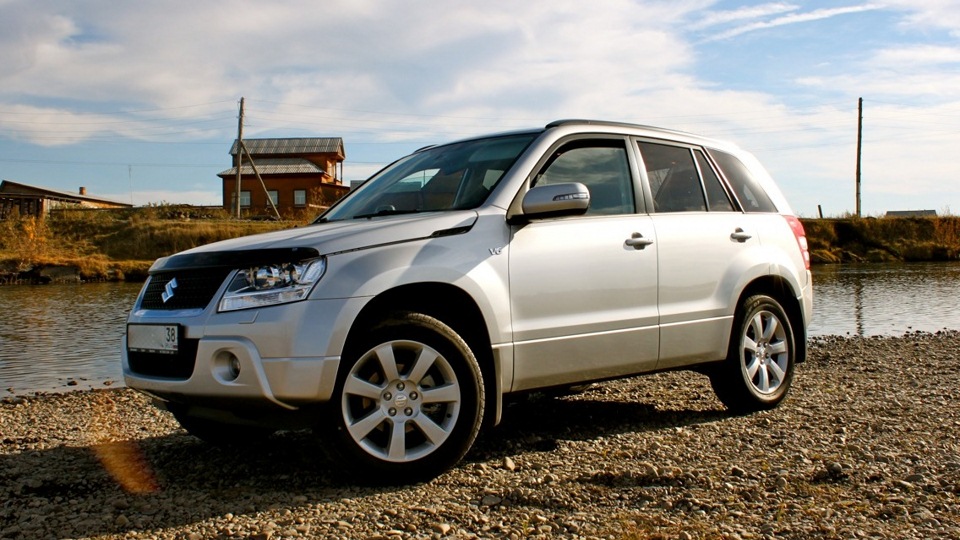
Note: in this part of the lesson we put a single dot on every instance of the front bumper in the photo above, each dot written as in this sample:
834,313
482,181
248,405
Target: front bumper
286,382
286,355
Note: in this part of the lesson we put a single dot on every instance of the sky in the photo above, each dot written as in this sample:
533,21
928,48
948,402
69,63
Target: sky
139,101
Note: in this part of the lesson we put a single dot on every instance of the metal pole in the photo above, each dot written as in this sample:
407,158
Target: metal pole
239,159
263,184
859,145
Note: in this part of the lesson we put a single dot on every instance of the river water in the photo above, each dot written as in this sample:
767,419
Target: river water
62,337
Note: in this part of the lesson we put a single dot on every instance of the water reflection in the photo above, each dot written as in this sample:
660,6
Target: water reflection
54,334
885,299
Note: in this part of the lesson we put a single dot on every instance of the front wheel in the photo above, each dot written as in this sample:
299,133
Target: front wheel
408,403
760,361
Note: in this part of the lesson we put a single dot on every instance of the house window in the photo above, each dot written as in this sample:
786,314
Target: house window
244,198
274,196
299,197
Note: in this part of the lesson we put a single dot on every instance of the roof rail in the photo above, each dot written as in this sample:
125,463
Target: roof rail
570,121
575,121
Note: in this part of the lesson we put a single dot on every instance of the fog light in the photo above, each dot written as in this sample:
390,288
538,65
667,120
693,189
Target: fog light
234,366
226,366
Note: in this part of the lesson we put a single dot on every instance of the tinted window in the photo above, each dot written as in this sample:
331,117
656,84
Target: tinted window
752,197
717,199
602,166
673,178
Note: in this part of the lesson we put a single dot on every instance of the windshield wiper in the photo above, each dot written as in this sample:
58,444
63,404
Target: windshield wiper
385,212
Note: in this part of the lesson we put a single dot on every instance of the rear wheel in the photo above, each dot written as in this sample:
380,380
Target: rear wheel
759,367
409,401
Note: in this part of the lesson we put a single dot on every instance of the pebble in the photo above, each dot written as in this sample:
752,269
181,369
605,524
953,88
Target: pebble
650,457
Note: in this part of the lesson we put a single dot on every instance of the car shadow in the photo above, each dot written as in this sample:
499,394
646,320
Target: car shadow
145,483
539,422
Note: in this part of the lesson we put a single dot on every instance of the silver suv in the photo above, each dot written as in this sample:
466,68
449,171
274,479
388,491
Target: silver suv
398,321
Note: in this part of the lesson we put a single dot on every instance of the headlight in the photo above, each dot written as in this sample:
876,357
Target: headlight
272,284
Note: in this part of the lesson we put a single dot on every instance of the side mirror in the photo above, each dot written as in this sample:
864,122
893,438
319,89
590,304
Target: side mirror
555,200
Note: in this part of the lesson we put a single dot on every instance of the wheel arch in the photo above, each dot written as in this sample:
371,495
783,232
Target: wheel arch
780,289
452,306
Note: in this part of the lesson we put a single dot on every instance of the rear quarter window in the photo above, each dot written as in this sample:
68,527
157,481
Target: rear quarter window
752,197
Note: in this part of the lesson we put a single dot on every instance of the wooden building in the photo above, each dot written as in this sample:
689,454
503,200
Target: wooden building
30,200
298,173
911,213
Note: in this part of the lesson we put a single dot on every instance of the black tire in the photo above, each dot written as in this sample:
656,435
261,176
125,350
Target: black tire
759,367
408,403
221,433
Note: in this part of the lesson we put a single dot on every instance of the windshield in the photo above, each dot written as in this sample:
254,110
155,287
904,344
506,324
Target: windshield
454,176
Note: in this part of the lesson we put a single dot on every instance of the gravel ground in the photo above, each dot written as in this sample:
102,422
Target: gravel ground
865,446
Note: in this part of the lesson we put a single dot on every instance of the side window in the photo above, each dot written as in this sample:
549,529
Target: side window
673,178
752,197
602,166
717,199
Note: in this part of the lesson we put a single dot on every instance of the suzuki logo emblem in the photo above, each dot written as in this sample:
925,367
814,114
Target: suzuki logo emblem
168,290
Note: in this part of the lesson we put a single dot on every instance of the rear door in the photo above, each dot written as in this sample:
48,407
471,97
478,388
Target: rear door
703,241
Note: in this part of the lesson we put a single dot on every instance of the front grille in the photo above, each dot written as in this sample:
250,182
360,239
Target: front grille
194,288
169,366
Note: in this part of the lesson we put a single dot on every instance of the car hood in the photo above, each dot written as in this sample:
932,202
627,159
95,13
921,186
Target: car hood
320,239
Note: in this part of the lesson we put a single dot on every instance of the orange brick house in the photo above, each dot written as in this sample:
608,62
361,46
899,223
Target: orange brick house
299,174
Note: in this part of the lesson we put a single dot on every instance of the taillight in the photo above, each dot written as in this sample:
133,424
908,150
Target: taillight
801,237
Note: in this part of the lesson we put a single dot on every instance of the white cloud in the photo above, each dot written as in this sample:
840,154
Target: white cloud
78,74
918,56
410,58
793,17
926,15
714,18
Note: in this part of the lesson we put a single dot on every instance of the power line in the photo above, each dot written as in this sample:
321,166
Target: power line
112,163
134,111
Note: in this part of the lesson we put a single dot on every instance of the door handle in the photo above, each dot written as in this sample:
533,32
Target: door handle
739,235
637,241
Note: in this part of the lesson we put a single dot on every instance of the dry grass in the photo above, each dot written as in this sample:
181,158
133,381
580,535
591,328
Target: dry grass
109,245
884,239
114,245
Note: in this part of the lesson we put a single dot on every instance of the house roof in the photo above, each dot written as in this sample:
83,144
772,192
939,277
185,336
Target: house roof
8,187
292,146
276,166
911,213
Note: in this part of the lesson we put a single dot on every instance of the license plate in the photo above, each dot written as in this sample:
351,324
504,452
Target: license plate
153,338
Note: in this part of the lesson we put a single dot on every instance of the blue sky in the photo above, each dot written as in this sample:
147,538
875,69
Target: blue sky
138,101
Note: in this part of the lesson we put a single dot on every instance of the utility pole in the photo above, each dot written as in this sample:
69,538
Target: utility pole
859,144
239,159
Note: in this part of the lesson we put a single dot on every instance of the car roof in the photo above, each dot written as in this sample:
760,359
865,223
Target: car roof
641,130
573,125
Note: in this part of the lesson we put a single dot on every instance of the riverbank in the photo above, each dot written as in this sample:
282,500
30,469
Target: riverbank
91,245
898,239
865,446
111,245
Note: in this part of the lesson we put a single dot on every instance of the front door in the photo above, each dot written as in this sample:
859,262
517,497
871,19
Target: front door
584,289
